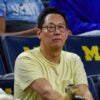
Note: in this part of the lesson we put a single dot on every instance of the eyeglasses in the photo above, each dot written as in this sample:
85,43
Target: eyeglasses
52,27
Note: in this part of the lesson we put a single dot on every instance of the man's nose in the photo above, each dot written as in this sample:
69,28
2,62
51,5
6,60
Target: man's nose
57,29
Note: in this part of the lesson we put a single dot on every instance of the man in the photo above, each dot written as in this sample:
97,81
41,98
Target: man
83,15
45,72
19,17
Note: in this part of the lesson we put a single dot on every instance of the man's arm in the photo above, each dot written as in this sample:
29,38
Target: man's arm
83,91
29,32
43,88
22,33
2,25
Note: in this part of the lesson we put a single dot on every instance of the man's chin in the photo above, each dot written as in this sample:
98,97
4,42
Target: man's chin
57,46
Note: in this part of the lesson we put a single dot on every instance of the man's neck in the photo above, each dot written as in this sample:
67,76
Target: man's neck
51,55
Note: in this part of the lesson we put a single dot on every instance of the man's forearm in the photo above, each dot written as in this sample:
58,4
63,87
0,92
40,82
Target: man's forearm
83,91
45,90
88,96
52,95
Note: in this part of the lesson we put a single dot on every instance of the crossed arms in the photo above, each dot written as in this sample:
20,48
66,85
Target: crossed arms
43,88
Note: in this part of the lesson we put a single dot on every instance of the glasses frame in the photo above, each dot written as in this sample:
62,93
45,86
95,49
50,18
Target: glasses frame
55,27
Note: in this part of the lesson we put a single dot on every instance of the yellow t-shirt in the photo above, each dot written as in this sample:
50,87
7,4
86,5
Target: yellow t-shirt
32,65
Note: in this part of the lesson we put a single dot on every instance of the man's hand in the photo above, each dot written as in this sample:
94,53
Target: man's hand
80,90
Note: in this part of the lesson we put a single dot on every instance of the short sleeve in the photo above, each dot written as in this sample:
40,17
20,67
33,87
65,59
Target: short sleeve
79,72
26,71
2,8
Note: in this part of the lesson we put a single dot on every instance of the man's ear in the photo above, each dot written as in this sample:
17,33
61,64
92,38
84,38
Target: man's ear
69,32
38,32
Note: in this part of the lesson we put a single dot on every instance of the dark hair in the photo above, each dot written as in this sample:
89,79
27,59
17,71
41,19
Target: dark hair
45,12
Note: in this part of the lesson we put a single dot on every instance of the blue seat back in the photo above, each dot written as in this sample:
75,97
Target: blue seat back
92,88
96,80
88,48
7,83
2,68
14,45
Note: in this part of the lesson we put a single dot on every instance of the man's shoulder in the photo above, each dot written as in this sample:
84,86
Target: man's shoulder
29,53
70,54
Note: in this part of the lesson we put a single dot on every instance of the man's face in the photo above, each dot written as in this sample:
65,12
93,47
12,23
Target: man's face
54,32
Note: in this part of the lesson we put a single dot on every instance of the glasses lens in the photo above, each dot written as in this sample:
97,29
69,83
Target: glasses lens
51,28
62,28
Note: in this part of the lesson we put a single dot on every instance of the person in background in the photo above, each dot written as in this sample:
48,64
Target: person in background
19,17
7,97
44,72
4,96
83,15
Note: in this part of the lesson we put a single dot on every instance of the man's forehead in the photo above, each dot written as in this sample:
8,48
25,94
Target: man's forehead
54,15
57,18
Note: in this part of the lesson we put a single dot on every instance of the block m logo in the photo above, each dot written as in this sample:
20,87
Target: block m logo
92,53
